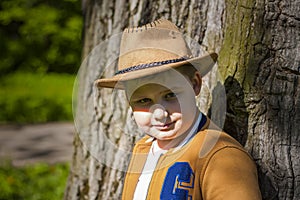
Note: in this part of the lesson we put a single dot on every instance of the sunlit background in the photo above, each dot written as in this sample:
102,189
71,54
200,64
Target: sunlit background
40,43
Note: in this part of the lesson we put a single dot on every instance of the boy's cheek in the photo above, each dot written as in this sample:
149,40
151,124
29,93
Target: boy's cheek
142,118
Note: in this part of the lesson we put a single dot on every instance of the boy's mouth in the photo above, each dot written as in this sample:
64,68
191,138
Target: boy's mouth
164,126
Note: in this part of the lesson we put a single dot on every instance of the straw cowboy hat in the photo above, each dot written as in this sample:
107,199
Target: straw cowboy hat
153,48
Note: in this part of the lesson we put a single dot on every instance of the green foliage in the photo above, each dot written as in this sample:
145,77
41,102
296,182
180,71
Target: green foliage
35,182
32,98
40,36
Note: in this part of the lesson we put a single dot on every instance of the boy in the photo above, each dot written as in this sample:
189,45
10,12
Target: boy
180,157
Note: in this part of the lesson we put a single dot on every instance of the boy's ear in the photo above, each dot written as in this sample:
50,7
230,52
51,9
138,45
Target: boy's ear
197,82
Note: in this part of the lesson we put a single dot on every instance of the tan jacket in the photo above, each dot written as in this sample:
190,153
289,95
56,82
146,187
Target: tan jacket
211,166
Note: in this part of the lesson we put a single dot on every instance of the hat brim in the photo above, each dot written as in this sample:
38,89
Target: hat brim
203,64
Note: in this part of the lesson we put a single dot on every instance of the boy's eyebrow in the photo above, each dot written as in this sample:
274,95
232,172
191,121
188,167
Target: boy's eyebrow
140,94
171,89
137,97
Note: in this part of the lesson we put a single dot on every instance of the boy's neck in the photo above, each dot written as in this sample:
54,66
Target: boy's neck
168,144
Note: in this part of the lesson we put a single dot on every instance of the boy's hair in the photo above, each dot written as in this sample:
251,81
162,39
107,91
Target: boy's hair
187,70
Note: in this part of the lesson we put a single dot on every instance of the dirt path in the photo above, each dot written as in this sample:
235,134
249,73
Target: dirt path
26,144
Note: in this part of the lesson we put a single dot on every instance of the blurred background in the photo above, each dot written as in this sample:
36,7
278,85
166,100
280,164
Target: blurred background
40,43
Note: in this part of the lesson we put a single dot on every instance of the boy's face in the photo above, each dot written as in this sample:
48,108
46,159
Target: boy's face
164,105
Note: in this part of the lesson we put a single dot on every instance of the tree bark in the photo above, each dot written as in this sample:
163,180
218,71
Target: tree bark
259,61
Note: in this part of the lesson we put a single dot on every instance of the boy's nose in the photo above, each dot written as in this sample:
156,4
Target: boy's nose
159,112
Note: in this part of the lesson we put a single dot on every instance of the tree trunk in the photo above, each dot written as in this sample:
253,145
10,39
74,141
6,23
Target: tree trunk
259,61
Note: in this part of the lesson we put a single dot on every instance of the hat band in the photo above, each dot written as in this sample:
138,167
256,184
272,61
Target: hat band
149,65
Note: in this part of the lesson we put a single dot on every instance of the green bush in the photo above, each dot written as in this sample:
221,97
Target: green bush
40,36
35,98
35,182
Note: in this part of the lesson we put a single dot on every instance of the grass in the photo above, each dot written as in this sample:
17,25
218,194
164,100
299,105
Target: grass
34,182
36,98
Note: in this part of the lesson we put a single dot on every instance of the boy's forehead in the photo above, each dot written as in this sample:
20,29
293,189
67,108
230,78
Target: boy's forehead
169,79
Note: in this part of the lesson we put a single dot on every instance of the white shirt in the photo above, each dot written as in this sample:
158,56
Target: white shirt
141,189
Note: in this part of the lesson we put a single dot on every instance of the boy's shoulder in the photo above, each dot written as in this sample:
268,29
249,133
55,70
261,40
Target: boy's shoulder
211,141
145,141
143,144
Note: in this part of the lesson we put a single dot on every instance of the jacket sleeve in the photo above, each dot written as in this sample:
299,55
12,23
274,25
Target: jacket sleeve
230,174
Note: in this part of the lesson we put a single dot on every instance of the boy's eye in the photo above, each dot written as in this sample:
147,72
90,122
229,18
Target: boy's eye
143,101
170,95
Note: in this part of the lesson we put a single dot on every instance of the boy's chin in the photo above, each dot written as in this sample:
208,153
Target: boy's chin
164,136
